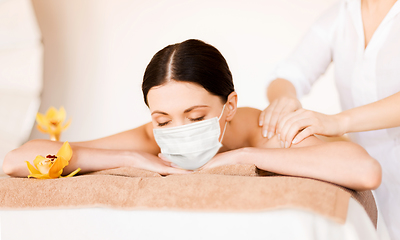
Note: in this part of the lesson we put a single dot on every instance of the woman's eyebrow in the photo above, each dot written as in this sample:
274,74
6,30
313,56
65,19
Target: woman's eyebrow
197,106
186,111
159,112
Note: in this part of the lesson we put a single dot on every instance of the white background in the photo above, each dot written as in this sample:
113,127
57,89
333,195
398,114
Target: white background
96,52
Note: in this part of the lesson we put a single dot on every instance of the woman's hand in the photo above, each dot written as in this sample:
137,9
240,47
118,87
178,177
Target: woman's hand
296,126
272,115
153,163
226,158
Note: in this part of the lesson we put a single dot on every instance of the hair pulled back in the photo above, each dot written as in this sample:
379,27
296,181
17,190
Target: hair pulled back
190,61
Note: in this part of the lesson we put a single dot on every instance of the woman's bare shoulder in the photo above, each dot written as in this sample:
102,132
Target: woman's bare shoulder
247,119
245,126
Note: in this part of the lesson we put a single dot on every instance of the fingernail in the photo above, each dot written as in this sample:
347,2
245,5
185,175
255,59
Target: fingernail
270,134
282,144
260,123
265,132
294,141
279,137
287,144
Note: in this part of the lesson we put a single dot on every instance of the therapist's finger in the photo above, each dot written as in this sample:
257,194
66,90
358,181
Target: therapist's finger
261,118
306,132
267,118
277,113
294,129
295,123
287,120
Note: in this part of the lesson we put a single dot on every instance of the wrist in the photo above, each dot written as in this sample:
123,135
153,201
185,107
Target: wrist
129,158
344,122
244,156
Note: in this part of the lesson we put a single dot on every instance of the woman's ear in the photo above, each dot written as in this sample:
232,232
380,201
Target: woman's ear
231,106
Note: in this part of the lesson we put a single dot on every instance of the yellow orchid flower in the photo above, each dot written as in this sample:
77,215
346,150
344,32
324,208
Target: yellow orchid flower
52,122
52,166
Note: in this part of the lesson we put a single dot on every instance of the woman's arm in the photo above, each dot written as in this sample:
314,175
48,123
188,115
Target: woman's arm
135,148
377,115
343,163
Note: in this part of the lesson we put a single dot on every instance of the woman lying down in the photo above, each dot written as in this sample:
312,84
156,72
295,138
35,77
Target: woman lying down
195,124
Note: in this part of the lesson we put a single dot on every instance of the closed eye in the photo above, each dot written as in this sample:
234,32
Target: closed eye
163,124
196,119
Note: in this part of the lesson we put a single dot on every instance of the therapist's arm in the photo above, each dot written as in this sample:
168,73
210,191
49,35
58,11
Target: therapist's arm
295,76
381,114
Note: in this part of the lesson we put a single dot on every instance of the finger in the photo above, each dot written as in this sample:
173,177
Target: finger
303,134
261,118
165,159
276,115
295,128
295,123
172,170
267,118
283,121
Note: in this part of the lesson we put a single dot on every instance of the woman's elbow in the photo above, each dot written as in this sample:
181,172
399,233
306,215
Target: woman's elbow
376,175
372,175
9,167
14,165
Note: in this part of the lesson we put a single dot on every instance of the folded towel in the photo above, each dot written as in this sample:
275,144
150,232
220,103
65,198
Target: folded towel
233,188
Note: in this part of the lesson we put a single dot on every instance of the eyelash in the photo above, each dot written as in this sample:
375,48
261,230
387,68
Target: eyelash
163,124
196,119
191,119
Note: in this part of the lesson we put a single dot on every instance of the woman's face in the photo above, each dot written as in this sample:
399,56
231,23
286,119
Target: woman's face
178,103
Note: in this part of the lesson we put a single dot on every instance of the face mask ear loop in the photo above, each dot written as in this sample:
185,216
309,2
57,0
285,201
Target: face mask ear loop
223,133
222,113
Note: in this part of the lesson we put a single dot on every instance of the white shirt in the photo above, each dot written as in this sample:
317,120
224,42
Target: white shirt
362,76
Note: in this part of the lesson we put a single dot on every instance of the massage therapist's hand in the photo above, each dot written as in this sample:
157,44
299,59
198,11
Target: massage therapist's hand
153,163
298,125
279,108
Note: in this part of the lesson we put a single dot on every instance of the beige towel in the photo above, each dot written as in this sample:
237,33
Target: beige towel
234,188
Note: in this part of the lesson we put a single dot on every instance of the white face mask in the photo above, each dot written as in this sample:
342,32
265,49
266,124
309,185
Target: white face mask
192,145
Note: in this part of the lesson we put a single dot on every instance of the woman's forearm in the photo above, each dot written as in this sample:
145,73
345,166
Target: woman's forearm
382,114
280,88
88,159
343,163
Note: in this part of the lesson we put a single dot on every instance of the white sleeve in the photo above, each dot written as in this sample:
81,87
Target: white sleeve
312,56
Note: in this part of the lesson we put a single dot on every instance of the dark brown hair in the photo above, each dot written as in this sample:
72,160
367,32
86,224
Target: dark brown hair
190,61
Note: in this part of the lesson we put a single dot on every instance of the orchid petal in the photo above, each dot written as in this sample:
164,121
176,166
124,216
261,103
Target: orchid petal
42,120
66,125
64,161
61,114
37,160
39,176
65,151
56,170
41,129
32,169
51,113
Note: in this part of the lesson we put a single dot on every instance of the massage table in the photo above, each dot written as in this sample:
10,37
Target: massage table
158,213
